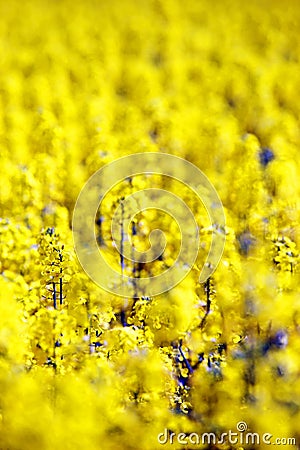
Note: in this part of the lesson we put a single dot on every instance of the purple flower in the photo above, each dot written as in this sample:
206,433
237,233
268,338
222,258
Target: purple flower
266,155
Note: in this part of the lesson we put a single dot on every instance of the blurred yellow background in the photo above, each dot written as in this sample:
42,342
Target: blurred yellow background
81,84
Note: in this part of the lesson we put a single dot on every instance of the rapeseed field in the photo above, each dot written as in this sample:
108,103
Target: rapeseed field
83,83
